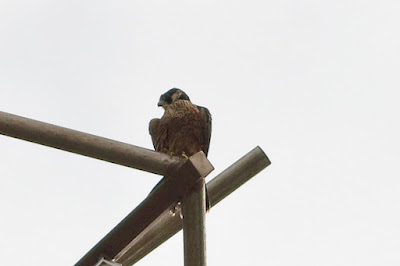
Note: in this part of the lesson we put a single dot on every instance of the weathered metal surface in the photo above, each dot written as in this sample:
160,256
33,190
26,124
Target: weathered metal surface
151,223
84,144
178,182
167,225
237,174
194,225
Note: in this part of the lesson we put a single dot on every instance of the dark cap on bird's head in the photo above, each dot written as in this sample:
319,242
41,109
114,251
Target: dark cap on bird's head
171,96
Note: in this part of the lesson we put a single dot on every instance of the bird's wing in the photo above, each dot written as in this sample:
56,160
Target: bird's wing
153,126
206,128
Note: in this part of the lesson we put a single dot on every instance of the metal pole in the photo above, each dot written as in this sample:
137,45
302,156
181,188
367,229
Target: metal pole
84,144
237,174
160,230
194,225
167,225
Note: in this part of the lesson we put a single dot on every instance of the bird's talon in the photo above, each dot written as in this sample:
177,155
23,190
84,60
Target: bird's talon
184,155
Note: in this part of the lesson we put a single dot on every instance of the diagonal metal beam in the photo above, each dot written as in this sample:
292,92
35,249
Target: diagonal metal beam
167,224
84,144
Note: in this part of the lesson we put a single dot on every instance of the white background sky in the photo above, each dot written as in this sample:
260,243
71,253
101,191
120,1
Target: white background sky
314,83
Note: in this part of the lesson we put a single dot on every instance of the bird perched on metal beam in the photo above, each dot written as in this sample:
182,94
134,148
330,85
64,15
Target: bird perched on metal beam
183,130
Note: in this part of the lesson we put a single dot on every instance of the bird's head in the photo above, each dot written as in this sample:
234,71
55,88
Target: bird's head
171,96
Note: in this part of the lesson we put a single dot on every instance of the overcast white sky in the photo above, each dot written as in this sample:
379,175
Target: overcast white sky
314,83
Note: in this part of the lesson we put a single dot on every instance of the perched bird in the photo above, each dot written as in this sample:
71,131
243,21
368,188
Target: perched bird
184,129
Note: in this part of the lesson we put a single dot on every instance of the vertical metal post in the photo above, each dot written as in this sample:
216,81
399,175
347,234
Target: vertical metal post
194,233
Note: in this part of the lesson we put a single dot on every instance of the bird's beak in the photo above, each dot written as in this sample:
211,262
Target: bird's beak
161,103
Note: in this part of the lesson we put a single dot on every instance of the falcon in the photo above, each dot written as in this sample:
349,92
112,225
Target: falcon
184,129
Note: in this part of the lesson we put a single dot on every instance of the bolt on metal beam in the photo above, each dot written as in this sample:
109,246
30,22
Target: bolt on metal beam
168,224
84,144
